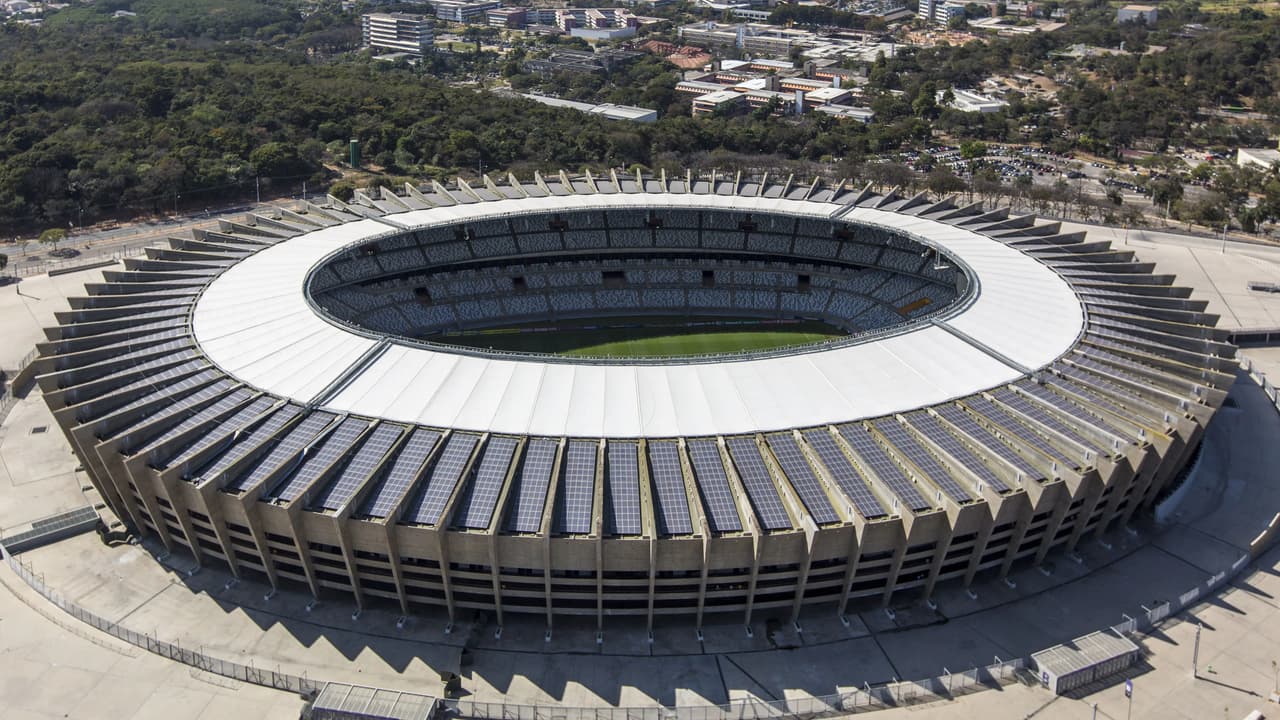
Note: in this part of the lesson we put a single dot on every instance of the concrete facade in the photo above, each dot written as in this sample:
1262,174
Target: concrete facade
1070,451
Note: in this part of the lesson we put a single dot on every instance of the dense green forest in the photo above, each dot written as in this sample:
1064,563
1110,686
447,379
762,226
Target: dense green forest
190,102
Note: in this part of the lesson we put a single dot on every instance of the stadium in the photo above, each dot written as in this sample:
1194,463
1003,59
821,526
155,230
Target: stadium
468,398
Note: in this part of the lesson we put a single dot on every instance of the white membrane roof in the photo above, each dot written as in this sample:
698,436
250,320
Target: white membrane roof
255,323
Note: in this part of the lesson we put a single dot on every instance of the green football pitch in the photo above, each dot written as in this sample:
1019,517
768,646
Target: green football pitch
647,337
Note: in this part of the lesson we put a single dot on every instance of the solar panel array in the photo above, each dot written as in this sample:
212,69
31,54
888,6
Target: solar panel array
1069,408
758,483
243,446
932,428
142,435
921,458
1013,428
531,493
445,474
1091,395
403,473
206,414
622,485
290,445
477,511
713,485
225,430
127,394
978,434
577,493
671,504
801,476
316,460
844,473
878,461
1040,415
362,467
177,388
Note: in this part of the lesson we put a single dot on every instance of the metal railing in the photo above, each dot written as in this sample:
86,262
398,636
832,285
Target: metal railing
8,399
193,657
867,699
1271,532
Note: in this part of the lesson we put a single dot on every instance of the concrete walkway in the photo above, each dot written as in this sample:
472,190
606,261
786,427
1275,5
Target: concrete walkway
56,667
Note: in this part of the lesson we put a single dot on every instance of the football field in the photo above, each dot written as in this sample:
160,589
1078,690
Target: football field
648,337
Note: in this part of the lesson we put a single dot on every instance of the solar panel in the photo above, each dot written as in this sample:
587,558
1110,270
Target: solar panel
932,428
178,388
622,485
713,485
878,461
243,445
922,459
1040,415
362,466
316,460
108,382
445,474
205,415
1088,420
577,495
1116,406
183,342
845,475
129,394
482,498
404,471
531,492
225,430
144,429
801,476
758,483
961,421
1014,429
671,503
285,451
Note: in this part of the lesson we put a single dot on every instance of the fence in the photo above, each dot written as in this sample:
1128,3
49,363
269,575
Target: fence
27,269
1271,532
867,699
8,399
171,650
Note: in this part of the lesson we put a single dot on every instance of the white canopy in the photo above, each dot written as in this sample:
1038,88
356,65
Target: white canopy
255,323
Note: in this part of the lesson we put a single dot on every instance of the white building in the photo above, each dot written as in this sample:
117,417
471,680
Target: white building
1262,158
940,12
970,101
460,11
848,112
608,111
1140,13
397,31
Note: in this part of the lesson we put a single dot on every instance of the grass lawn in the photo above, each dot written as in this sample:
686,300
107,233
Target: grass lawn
647,337
1268,8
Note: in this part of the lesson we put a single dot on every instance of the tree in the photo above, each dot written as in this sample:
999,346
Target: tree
53,236
944,182
1165,190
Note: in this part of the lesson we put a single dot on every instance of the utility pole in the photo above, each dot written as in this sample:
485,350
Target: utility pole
257,187
304,191
1224,240
1195,653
